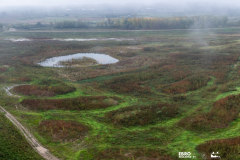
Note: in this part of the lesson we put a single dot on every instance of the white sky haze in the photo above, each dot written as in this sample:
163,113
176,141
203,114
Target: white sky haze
81,2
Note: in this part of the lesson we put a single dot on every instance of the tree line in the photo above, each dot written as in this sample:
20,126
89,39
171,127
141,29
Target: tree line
193,22
71,24
165,23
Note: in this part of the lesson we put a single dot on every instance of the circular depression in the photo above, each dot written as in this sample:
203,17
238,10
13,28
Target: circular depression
100,58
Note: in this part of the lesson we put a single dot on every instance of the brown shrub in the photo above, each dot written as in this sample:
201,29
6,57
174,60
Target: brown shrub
227,148
43,90
25,79
141,115
221,114
61,130
32,90
25,62
223,88
80,103
212,88
3,69
3,78
178,87
186,56
138,154
188,84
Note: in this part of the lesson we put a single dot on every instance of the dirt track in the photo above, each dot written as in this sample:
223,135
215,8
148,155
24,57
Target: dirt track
31,139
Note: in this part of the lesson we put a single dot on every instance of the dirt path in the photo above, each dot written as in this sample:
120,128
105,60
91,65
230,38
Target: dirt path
31,139
8,88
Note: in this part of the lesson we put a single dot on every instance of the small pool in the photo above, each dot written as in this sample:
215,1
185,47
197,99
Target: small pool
101,58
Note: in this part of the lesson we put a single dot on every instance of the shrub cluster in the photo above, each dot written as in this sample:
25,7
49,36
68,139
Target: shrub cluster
3,69
80,103
61,130
189,84
128,54
79,61
25,79
139,80
149,49
3,79
50,82
43,90
227,148
12,143
128,84
139,153
221,114
14,80
141,115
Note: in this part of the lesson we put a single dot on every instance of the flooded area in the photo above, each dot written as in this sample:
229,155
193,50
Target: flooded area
17,39
69,39
100,58
94,39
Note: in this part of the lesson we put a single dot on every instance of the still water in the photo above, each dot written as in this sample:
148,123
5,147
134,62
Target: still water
100,58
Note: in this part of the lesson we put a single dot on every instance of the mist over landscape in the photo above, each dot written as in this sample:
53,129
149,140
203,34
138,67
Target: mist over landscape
119,80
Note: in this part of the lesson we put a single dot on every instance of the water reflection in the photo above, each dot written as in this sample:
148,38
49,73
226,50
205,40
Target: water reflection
100,58
94,39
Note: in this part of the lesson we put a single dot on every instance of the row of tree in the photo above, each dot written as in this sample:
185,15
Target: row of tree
165,23
71,24
139,23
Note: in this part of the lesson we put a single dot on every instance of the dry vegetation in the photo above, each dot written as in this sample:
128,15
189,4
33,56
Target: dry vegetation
141,115
60,130
79,62
47,91
221,114
80,103
189,84
138,154
154,79
3,69
228,149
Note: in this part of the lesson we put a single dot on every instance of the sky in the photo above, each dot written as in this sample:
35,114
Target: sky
81,2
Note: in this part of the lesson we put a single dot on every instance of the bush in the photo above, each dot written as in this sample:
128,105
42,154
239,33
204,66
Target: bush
188,84
179,98
223,112
12,143
25,79
141,115
139,154
80,103
148,49
3,69
126,84
227,148
212,88
48,91
128,54
62,130
50,82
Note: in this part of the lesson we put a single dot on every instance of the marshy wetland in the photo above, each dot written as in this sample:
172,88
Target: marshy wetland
78,59
162,93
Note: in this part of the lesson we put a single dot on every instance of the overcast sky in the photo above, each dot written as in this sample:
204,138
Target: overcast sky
80,2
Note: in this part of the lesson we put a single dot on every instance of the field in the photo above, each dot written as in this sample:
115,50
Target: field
171,91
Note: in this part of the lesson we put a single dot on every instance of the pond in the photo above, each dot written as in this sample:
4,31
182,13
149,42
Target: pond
100,58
